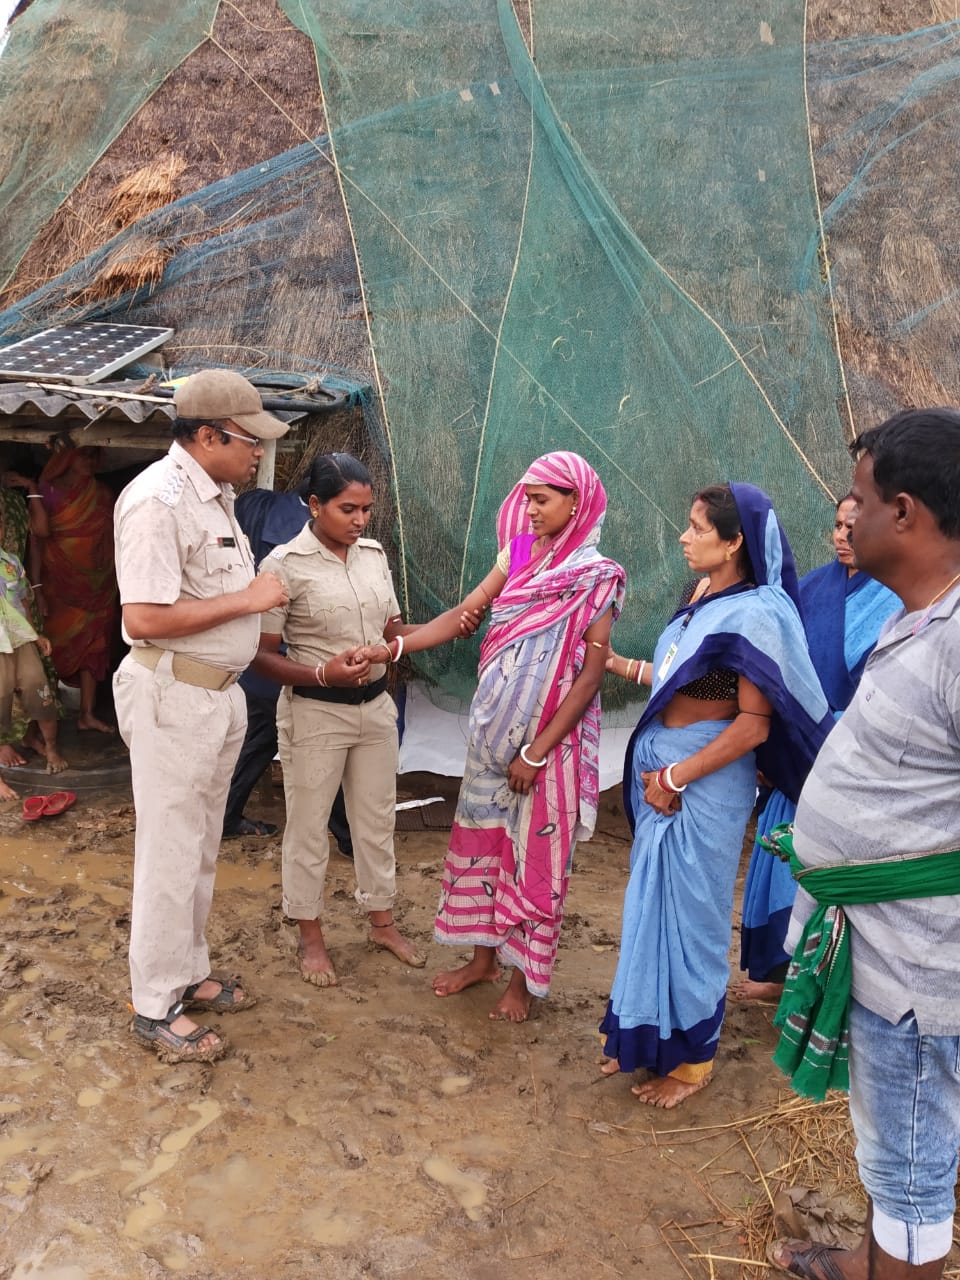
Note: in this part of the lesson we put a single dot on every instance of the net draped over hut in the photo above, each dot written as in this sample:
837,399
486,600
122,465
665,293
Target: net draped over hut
532,227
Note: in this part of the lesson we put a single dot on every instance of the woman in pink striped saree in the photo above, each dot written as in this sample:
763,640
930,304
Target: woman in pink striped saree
530,784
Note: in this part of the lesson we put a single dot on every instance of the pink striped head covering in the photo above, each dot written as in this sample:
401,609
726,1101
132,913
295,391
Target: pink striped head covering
564,470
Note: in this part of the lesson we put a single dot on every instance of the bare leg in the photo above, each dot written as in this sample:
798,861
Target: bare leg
86,719
315,963
514,1004
667,1092
384,933
55,761
482,968
746,989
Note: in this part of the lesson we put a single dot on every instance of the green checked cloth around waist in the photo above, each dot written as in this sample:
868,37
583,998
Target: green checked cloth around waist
814,1011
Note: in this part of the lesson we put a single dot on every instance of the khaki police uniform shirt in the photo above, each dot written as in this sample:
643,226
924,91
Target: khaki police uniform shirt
178,539
333,605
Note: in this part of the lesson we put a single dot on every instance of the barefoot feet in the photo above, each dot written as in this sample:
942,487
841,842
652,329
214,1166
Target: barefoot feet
514,1004
316,966
6,793
87,720
10,757
747,990
389,937
608,1066
43,740
666,1092
482,968
56,762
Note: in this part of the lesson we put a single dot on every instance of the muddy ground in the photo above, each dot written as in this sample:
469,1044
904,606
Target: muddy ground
369,1130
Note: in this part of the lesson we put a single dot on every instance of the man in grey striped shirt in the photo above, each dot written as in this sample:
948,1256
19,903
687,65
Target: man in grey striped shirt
887,782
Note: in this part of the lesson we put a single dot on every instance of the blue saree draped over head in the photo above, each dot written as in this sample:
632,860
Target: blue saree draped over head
667,1002
842,616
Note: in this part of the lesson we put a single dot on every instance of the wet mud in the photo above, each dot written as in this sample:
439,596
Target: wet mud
365,1130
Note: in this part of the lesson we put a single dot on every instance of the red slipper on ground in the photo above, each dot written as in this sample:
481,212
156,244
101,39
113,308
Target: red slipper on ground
57,803
34,807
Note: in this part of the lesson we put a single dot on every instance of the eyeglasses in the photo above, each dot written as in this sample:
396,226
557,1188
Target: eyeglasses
253,441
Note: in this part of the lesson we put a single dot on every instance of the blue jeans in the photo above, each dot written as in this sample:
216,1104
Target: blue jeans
905,1108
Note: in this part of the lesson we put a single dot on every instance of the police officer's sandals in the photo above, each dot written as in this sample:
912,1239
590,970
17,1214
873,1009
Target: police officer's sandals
171,1047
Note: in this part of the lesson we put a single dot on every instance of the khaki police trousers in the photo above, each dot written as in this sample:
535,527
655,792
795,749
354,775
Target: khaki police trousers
183,743
321,745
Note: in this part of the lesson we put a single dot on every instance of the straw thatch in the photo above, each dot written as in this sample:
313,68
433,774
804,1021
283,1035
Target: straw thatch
255,46
150,187
834,21
265,69
133,265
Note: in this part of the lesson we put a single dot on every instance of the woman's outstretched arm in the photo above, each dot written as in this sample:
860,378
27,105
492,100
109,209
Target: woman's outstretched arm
462,620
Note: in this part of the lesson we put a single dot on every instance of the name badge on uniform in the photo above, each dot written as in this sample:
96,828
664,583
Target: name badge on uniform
667,662
226,542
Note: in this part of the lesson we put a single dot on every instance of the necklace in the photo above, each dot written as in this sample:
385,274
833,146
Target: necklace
939,596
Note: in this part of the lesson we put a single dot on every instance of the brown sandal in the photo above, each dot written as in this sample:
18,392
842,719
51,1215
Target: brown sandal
170,1047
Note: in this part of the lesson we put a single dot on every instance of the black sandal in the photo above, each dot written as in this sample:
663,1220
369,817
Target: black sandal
810,1254
251,827
225,1001
171,1047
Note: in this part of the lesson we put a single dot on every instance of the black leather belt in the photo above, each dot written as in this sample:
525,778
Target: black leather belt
352,695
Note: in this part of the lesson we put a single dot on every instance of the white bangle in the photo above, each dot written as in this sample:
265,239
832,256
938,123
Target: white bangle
35,495
639,676
321,673
534,764
35,586
668,778
399,640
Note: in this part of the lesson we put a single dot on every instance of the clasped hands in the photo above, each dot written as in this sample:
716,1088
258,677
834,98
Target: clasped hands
665,802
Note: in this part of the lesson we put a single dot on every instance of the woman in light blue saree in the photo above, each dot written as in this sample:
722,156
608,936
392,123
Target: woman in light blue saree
843,612
733,689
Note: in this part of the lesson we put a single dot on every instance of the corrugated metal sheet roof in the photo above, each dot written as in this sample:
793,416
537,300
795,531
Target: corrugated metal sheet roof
22,400
123,415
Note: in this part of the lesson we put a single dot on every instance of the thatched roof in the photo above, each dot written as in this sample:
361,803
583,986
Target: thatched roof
177,144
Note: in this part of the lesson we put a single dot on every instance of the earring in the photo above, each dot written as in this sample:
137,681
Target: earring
573,511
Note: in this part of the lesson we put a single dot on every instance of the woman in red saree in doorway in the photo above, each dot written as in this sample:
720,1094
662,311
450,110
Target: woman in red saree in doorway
79,581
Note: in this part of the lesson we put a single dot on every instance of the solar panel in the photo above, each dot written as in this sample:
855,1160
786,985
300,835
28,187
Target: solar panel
80,353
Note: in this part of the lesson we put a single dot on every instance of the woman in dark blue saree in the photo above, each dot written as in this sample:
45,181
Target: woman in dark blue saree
843,612
733,689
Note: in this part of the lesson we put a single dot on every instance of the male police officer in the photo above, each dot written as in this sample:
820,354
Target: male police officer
191,602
